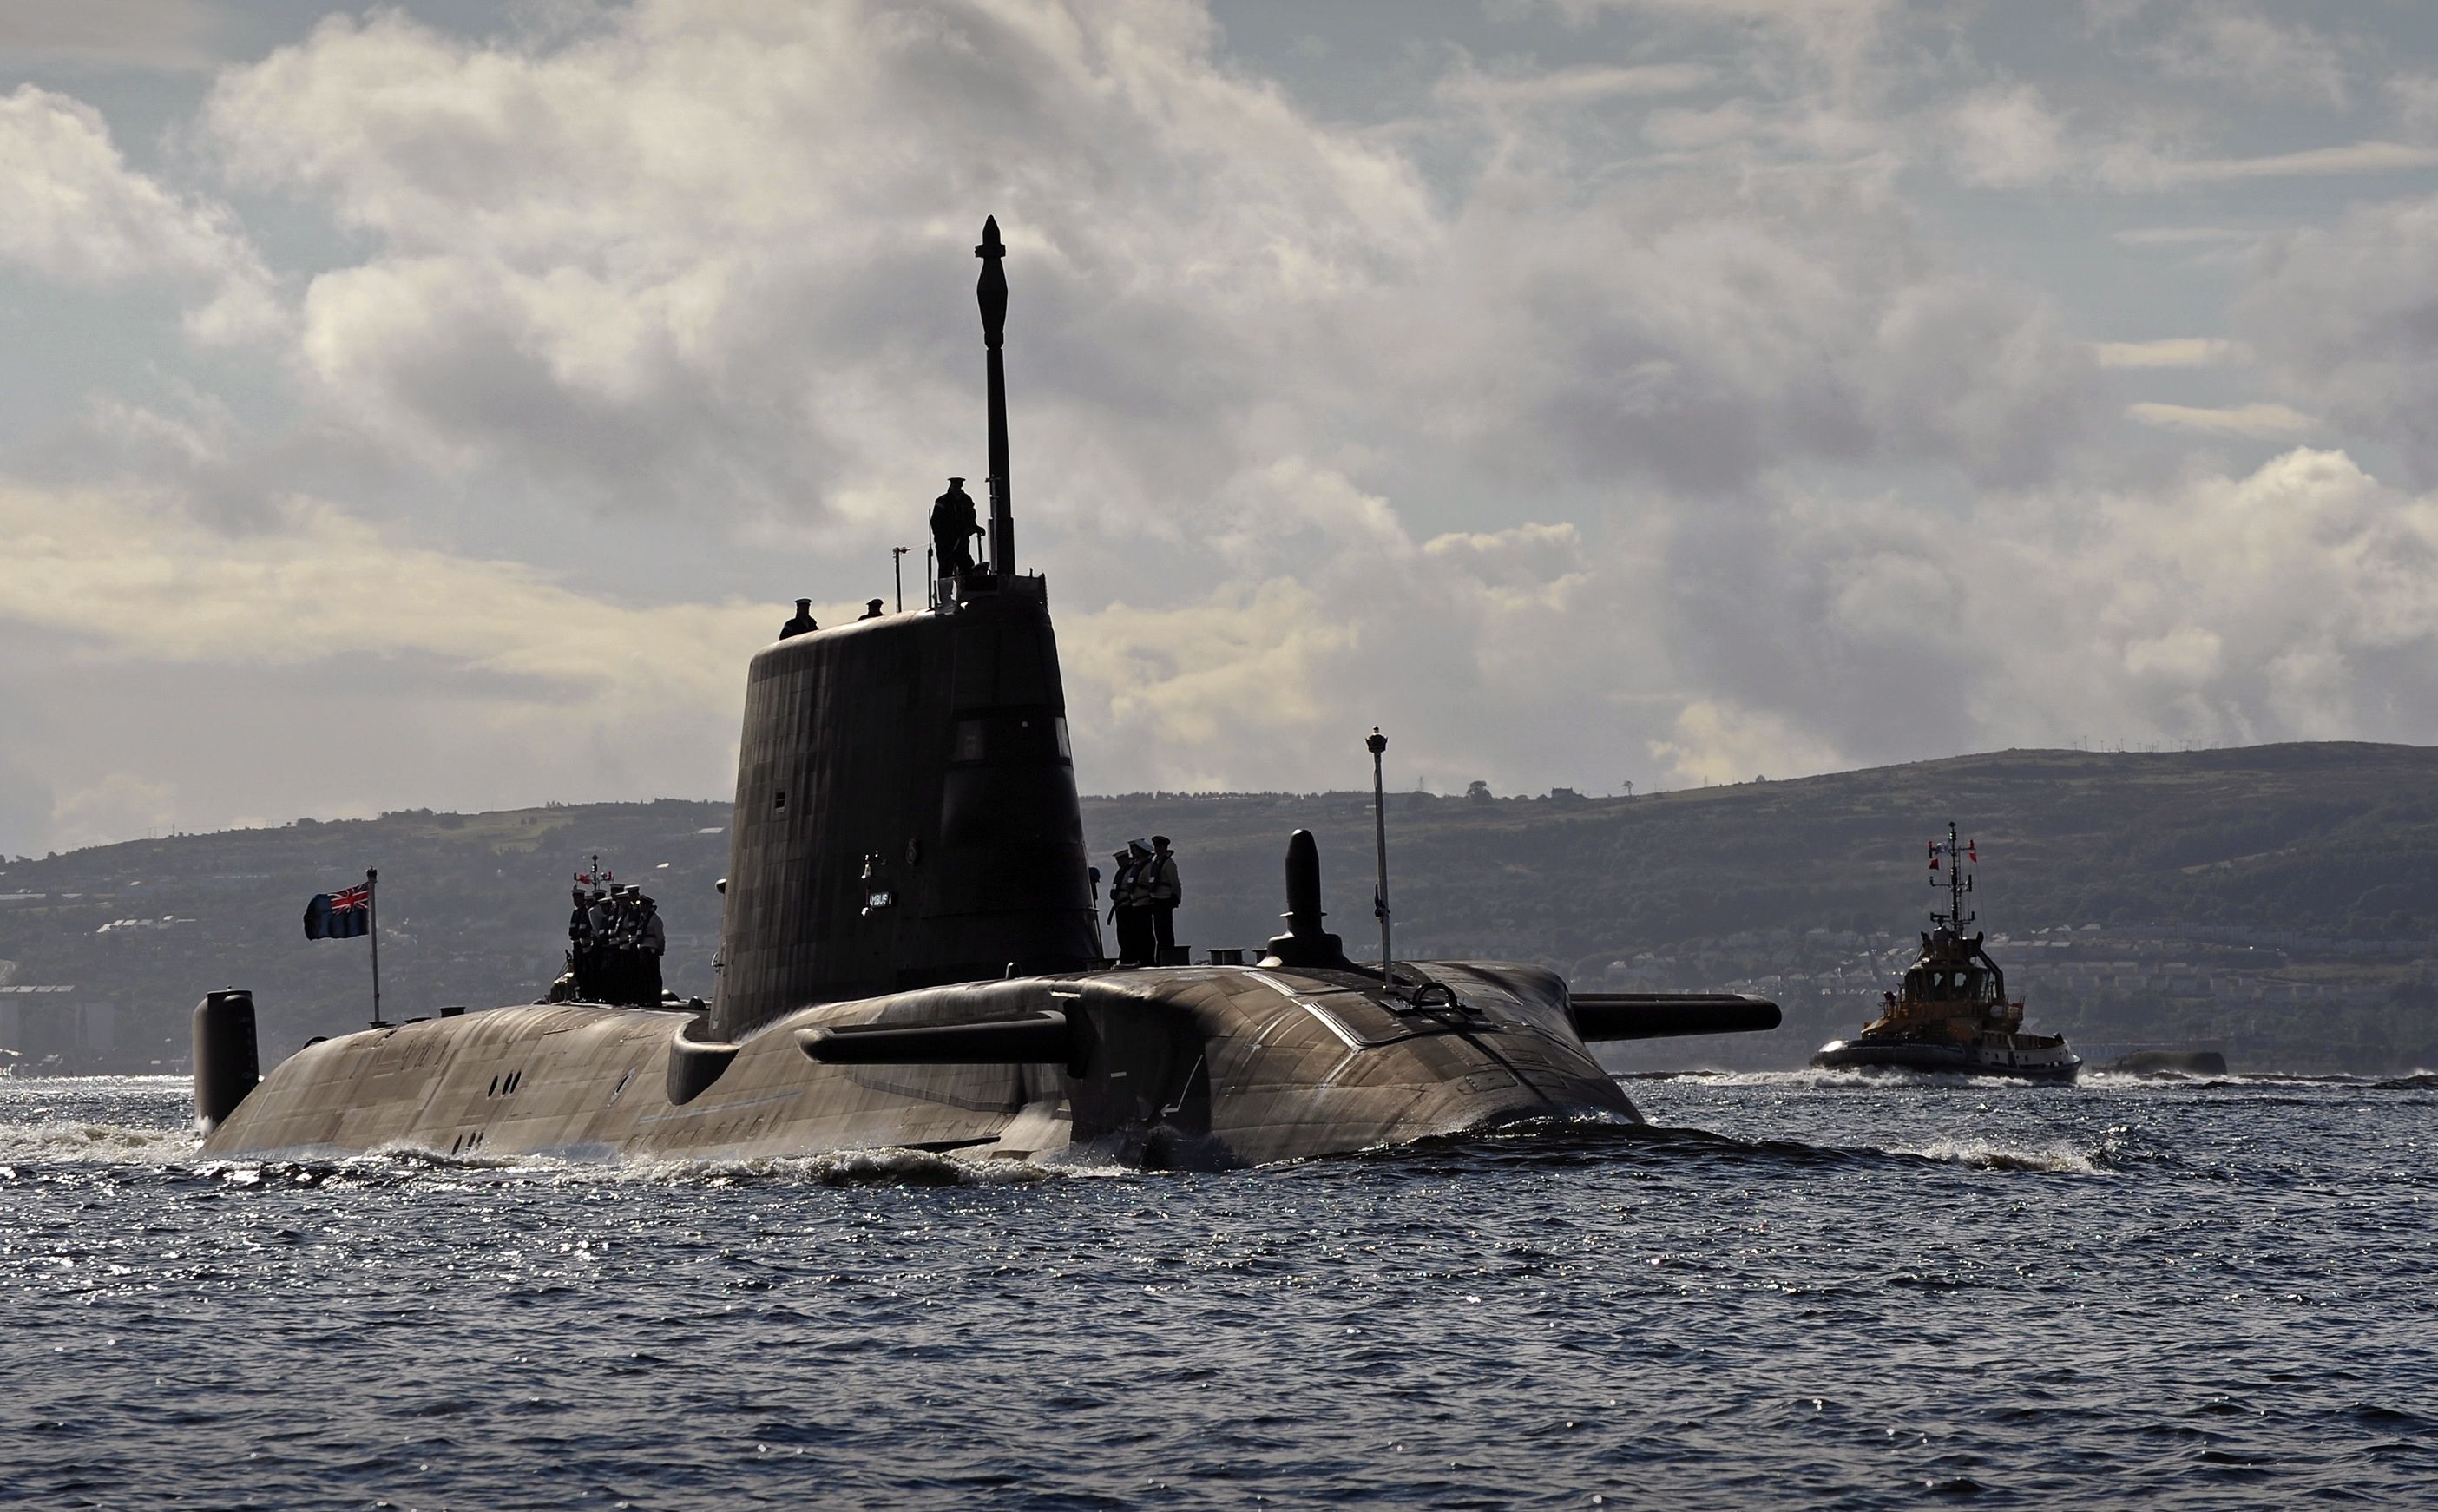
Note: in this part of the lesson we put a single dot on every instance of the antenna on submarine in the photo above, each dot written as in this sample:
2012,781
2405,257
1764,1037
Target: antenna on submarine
1378,746
990,292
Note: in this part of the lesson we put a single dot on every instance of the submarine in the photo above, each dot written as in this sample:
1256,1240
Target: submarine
909,957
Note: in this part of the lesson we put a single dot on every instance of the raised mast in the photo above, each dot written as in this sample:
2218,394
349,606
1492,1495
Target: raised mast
990,292
1958,883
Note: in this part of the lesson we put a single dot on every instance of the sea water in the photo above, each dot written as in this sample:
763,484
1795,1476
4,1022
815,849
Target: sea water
1803,1290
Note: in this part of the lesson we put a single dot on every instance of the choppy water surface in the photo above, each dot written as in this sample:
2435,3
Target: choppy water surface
1844,1293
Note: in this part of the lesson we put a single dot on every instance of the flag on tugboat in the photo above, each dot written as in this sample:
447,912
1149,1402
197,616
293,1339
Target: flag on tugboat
342,915
1933,855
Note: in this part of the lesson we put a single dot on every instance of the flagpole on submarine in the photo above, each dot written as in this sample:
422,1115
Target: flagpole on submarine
372,927
1377,745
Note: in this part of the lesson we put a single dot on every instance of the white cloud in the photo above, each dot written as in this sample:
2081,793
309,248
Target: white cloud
2183,236
1585,84
2295,601
73,212
673,258
2413,98
2140,167
106,568
1716,743
2231,48
621,265
2260,420
2174,351
2006,138
2185,654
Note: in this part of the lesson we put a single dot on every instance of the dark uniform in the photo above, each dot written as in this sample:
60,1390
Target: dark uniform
1162,892
1121,912
1130,905
579,942
953,529
802,623
651,943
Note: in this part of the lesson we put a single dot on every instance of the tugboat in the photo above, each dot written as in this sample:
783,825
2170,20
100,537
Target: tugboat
1952,1013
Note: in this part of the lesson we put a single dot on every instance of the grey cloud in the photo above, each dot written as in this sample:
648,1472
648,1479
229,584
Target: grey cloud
1195,260
1708,337
170,35
2347,316
2247,51
73,212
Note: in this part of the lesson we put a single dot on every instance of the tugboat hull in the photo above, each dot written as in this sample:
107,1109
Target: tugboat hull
2052,1064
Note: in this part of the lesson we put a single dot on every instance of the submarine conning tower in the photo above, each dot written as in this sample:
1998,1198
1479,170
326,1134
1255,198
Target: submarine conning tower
906,807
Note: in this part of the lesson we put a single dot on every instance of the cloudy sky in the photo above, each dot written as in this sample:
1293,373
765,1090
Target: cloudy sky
435,405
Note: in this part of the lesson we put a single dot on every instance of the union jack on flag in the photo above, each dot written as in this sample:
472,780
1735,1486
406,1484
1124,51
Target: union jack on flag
340,915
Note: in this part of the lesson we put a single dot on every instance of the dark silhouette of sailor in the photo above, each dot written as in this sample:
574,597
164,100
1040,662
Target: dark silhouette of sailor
802,623
871,609
651,943
1162,891
1130,906
953,528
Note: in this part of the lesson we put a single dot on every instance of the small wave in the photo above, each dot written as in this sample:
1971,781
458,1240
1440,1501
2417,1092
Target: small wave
72,1141
2417,1082
1981,1154
1561,1141
1849,1078
845,1168
403,1165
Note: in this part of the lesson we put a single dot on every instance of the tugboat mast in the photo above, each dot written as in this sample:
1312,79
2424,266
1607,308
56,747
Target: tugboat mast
1959,884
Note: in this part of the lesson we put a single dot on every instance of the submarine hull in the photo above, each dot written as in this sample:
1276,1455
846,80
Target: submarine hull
1201,1067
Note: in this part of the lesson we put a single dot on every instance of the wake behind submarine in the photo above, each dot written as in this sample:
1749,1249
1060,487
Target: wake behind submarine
910,959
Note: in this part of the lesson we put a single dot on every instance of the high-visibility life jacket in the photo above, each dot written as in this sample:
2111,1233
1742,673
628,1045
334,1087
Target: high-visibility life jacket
1160,886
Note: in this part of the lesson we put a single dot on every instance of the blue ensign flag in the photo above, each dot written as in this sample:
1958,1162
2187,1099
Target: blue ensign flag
339,915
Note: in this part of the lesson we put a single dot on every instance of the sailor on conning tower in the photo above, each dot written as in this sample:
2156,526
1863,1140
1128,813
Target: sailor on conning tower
953,529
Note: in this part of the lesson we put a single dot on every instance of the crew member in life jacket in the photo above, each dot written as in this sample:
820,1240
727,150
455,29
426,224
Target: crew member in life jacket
629,936
953,529
1132,893
580,939
608,950
651,943
1162,892
1123,912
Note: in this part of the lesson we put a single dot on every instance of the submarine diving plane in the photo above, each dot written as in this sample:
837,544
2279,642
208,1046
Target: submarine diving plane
909,959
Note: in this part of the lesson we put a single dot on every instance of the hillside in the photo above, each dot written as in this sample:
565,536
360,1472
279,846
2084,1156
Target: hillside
2279,899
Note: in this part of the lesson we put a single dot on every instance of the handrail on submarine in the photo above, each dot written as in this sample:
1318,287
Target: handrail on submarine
1667,1015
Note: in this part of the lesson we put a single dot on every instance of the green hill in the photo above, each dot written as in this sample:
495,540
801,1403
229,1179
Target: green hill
2278,899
